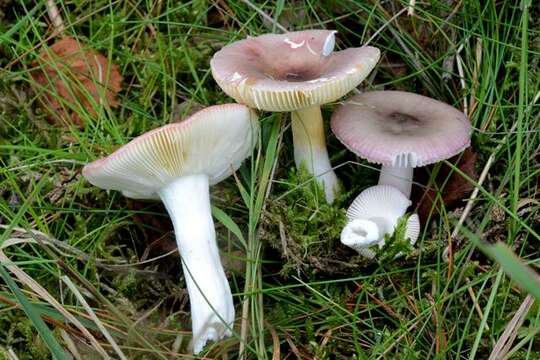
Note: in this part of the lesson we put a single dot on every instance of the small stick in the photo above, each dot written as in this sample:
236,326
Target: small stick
56,18
475,301
501,348
244,328
410,7
11,355
276,352
459,63
70,344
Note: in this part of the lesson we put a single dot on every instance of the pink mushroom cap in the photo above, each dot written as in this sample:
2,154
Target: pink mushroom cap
214,142
396,128
290,71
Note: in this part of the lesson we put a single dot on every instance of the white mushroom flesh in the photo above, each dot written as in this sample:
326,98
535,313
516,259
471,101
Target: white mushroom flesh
375,213
187,201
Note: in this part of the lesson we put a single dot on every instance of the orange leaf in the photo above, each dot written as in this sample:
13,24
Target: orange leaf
73,77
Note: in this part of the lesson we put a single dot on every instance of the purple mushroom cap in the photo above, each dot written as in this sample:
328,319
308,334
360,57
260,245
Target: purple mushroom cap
396,128
287,72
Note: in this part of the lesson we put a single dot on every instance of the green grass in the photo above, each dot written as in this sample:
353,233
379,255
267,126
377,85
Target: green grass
318,300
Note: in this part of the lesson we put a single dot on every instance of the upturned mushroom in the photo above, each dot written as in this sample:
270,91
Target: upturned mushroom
296,72
375,213
400,131
177,163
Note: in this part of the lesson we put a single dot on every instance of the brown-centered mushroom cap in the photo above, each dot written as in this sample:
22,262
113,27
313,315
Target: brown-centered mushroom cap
396,128
290,71
213,141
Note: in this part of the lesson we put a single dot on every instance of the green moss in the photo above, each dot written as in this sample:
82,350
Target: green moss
20,334
396,243
305,229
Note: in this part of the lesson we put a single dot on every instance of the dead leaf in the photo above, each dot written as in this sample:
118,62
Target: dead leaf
71,75
452,191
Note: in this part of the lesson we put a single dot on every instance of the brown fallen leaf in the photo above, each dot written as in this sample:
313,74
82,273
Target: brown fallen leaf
71,75
452,191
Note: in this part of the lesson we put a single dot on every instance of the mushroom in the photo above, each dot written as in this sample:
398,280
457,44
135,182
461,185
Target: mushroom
375,213
401,131
176,163
296,72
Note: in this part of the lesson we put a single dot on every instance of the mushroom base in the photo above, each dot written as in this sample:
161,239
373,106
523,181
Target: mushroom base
310,149
187,200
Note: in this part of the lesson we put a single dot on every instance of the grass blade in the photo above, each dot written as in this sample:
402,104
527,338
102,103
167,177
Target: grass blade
229,223
35,316
512,264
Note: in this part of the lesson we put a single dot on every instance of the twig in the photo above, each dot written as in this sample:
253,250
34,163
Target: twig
70,344
243,328
177,343
502,346
475,301
410,7
56,18
459,63
10,354
276,352
293,347
326,337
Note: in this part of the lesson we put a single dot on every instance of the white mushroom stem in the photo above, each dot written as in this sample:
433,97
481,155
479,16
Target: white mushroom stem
310,148
398,177
187,200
